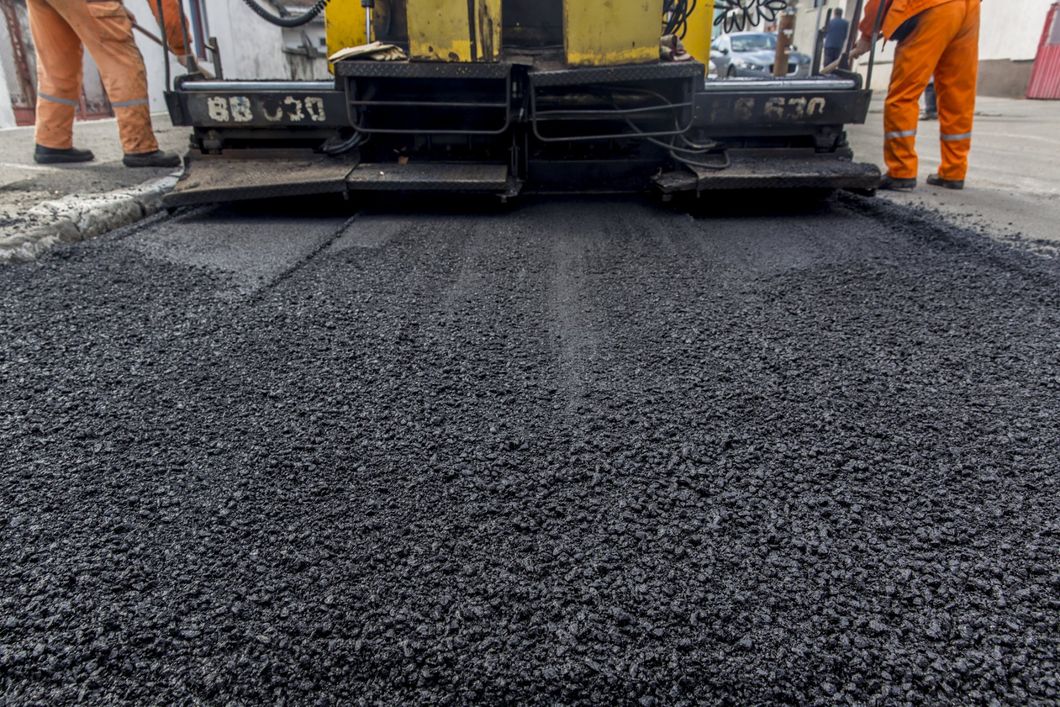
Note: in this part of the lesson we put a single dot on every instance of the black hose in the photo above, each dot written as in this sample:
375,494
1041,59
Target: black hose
338,148
294,21
678,154
677,13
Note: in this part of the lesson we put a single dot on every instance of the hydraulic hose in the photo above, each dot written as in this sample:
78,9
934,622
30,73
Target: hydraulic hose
293,21
685,155
677,14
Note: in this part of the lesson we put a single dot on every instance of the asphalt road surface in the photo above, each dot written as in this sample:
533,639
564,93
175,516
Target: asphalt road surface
579,451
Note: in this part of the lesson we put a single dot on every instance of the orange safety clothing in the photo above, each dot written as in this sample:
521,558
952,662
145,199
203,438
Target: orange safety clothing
60,28
171,19
944,43
898,12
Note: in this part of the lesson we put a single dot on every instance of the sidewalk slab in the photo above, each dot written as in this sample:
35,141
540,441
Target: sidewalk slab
41,205
1013,185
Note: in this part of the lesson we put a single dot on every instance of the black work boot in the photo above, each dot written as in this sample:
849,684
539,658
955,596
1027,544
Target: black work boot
51,155
158,158
937,181
889,183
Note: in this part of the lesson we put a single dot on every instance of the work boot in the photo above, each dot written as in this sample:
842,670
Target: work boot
937,181
158,158
889,183
50,155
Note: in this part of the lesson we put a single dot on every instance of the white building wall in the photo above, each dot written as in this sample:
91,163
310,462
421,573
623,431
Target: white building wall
8,77
1012,28
302,66
314,32
251,48
7,115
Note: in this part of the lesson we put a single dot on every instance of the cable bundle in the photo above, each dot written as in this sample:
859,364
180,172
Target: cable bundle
677,13
680,148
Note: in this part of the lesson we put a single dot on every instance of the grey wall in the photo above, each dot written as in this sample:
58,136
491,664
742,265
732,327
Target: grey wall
7,116
1003,78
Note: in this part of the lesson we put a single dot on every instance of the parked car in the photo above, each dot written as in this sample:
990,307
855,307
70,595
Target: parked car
751,55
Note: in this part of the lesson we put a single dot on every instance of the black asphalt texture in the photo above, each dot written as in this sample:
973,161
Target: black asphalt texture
572,452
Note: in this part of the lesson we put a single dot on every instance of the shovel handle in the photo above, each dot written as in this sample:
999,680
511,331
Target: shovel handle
831,68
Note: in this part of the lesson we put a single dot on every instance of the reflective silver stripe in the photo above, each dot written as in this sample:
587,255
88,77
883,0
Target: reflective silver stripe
53,99
126,104
899,134
956,138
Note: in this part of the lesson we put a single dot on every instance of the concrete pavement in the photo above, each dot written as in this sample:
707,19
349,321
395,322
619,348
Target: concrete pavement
24,183
43,204
1013,187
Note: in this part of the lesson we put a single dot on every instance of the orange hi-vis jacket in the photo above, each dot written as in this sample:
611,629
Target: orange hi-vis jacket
898,13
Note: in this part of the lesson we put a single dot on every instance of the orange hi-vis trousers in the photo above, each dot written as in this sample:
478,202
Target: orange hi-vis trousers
945,44
104,28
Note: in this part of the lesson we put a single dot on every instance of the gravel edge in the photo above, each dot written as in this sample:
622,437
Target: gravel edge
78,217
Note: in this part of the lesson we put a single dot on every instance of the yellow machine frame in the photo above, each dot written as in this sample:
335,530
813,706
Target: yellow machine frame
532,121
344,25
595,34
613,32
701,31
440,30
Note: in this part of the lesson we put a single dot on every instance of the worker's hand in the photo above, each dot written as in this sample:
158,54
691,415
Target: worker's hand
192,65
863,46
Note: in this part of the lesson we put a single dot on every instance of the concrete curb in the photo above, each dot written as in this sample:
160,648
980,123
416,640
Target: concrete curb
79,217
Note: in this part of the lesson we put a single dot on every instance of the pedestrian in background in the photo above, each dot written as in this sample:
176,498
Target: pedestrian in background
931,103
835,37
937,38
105,28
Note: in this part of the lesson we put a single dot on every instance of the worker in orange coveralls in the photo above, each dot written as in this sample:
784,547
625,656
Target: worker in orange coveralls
105,28
935,37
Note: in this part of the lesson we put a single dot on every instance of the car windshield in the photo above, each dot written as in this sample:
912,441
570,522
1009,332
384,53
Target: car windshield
753,42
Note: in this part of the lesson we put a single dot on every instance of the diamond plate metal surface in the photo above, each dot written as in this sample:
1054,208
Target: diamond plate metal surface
616,74
422,70
259,174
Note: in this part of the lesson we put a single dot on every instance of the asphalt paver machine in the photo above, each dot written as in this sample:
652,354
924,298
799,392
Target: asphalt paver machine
503,97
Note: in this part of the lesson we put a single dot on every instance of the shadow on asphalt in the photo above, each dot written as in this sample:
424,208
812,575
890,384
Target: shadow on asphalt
708,205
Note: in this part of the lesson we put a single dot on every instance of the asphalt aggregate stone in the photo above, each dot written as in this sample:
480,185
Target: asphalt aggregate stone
579,451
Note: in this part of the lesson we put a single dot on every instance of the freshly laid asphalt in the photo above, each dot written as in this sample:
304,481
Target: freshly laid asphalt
576,451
